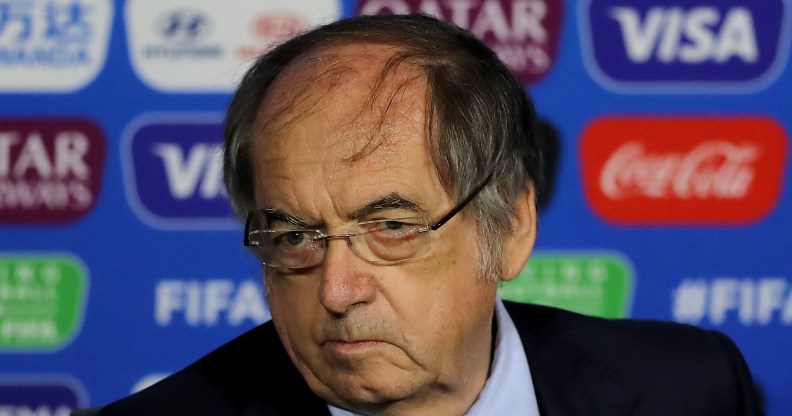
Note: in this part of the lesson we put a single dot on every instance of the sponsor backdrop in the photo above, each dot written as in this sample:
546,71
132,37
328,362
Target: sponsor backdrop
120,262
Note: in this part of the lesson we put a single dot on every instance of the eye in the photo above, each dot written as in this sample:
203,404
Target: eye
396,228
395,239
295,238
393,225
290,238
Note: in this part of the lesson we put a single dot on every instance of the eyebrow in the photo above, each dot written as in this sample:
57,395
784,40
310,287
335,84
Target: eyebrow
272,214
388,202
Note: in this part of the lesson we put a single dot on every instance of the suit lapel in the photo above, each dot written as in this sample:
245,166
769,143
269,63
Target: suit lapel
309,404
567,379
283,389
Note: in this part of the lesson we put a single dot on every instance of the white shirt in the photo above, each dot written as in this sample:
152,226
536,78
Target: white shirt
509,389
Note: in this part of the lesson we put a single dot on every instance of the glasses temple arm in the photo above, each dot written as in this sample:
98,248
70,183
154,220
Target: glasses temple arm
462,204
246,235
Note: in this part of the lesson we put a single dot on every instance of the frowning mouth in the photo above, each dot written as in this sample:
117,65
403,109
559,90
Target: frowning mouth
352,346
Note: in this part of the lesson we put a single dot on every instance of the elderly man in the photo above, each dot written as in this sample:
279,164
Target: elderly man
386,168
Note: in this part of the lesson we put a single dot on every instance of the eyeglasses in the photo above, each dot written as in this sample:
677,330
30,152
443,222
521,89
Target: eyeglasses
383,241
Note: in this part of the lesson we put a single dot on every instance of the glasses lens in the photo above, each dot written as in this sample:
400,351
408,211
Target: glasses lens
393,240
289,248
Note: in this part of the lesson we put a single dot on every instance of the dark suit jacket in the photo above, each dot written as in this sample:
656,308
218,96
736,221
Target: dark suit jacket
579,365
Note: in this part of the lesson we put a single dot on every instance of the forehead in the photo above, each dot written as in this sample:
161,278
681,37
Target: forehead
337,125
360,96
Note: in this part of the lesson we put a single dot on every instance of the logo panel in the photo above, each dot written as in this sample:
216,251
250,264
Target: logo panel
204,45
40,396
683,170
52,46
270,28
173,171
41,301
660,44
596,284
183,26
50,169
209,302
524,33
722,300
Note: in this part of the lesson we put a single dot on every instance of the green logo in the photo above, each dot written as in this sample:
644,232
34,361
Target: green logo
597,284
41,301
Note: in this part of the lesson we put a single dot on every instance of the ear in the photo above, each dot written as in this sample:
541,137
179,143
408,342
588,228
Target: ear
519,244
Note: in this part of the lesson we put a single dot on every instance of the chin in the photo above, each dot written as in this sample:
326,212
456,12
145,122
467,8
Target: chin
368,392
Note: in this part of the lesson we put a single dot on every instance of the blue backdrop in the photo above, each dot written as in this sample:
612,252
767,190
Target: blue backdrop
120,261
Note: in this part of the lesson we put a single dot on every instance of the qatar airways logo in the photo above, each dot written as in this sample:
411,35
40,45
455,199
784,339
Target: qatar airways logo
524,33
716,169
50,169
683,170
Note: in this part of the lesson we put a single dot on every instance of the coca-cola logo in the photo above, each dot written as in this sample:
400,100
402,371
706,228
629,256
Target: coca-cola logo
710,170
683,170
524,33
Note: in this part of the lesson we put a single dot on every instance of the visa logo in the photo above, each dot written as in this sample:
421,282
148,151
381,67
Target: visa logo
725,46
673,34
193,172
173,171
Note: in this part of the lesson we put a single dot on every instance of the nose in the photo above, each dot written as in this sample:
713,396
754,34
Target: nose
345,279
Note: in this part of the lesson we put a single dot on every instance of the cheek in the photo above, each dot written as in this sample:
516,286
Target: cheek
440,301
293,312
450,273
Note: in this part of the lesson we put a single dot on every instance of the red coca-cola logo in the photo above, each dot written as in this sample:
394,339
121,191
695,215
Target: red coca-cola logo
683,170
524,33
50,169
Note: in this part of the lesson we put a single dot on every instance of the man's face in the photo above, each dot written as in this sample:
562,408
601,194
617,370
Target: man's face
365,336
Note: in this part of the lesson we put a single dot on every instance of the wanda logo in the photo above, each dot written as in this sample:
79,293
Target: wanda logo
683,170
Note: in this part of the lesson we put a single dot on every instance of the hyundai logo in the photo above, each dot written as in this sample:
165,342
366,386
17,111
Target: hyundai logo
183,25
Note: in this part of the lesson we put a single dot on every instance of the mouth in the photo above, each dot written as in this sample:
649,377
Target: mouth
352,346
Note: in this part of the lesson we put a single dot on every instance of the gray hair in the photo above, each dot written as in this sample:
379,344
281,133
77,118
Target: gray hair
480,118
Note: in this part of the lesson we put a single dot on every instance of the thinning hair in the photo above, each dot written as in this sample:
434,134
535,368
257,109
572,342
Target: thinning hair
479,118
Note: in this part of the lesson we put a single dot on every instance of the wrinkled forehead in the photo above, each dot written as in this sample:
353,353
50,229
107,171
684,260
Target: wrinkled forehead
364,95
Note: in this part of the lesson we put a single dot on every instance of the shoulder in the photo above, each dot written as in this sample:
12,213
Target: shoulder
251,371
659,361
621,334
